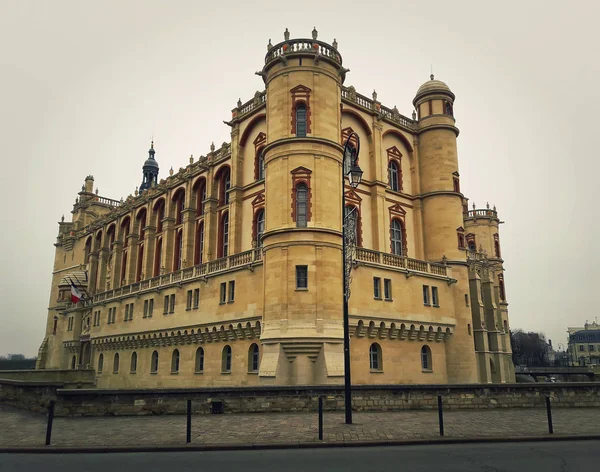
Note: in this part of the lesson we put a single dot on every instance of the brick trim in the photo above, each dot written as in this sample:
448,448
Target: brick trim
394,155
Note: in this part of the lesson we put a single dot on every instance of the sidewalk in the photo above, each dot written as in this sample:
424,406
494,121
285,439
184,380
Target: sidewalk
24,429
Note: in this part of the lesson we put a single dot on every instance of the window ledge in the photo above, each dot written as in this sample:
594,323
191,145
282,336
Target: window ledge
200,372
174,373
377,298
171,312
301,289
187,309
426,304
222,303
153,373
436,306
253,372
388,300
231,301
133,372
427,371
226,373
376,371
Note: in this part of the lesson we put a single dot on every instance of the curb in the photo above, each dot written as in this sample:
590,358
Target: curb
291,445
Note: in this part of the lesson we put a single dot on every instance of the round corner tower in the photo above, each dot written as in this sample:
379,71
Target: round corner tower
442,210
302,330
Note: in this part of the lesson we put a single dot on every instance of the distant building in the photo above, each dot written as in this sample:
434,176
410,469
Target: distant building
584,344
229,271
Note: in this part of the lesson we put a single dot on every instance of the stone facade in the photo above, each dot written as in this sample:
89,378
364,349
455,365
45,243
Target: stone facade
229,271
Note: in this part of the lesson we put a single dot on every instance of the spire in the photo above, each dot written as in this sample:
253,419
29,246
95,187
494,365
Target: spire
149,170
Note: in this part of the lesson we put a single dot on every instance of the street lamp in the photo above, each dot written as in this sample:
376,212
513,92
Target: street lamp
354,174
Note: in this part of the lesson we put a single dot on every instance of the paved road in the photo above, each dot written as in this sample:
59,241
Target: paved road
563,456
22,428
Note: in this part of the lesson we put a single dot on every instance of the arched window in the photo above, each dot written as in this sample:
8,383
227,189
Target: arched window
179,203
397,235
111,236
116,363
157,257
133,366
393,176
259,225
260,165
154,363
178,256
199,360
125,229
199,243
226,360
88,249
175,361
224,239
426,358
100,363
159,214
200,196
73,362
300,120
141,224
301,205
253,358
375,360
54,325
227,181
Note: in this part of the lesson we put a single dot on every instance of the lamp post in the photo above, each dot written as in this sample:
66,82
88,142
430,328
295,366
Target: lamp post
354,174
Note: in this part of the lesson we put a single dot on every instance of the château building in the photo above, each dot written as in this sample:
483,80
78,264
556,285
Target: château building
228,272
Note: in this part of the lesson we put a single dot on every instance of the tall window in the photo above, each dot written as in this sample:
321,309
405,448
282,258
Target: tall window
140,263
393,176
116,363
260,171
159,214
260,226
426,358
179,202
200,196
100,363
226,360
397,238
154,363
434,296
199,246
301,277
375,357
133,367
175,361
199,360
253,357
178,250
376,287
301,205
224,242
73,362
300,120
157,257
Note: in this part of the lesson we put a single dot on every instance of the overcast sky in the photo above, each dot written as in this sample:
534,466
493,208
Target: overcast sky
84,85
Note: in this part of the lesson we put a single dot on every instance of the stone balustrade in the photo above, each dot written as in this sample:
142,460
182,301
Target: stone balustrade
291,46
401,262
183,275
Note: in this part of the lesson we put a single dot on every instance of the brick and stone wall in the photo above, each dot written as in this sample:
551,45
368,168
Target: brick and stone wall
96,402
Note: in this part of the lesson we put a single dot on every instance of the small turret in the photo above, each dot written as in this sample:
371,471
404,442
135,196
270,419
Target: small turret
149,170
434,97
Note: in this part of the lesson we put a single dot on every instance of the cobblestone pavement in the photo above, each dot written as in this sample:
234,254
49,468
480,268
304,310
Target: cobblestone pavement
22,428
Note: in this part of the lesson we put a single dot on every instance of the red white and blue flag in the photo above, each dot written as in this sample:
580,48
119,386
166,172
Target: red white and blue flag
75,293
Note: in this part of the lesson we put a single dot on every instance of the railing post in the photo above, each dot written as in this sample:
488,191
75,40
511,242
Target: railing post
441,414
50,420
321,418
549,412
188,437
